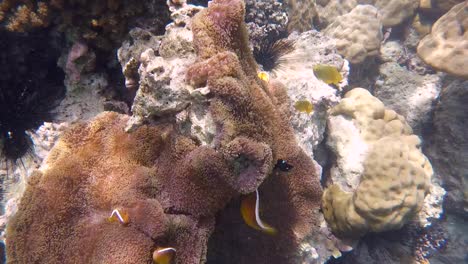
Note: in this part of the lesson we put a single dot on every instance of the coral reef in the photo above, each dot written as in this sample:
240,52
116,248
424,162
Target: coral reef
358,34
212,128
445,48
389,177
170,185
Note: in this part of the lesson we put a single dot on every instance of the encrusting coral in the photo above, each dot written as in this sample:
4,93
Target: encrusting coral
446,47
168,184
395,177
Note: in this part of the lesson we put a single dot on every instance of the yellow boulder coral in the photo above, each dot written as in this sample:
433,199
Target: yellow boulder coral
446,48
396,175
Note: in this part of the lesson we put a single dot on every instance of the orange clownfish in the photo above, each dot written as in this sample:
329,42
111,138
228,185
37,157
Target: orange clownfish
163,255
119,216
250,212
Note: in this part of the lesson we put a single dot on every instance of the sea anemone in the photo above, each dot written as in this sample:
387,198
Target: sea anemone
270,54
30,83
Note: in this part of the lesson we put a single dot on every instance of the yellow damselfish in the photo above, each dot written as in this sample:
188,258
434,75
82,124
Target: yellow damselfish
328,74
264,76
304,106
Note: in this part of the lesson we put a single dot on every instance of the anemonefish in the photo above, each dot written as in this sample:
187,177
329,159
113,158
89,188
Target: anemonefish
163,255
119,216
250,212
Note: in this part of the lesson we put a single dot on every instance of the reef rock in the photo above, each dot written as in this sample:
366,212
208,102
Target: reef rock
448,145
162,89
409,94
296,72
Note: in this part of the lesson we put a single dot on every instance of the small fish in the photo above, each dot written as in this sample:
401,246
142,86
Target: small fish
264,76
328,74
117,216
250,212
163,255
304,106
282,165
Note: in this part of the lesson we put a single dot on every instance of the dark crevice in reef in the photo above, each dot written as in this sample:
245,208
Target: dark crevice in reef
325,158
31,84
198,2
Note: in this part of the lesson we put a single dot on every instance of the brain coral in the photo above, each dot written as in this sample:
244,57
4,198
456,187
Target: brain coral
396,175
446,48
358,34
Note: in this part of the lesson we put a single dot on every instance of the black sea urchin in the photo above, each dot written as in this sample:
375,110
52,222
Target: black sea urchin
30,84
271,54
